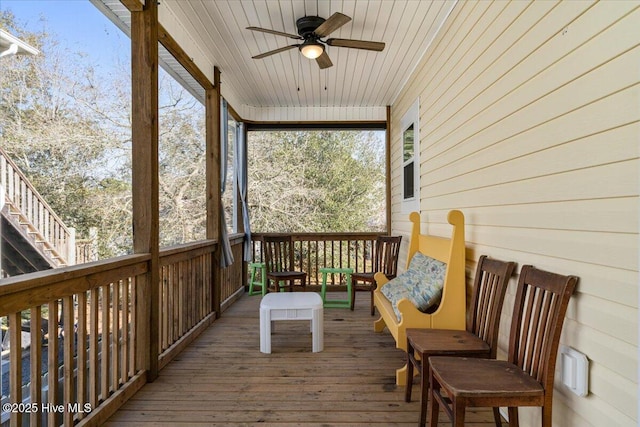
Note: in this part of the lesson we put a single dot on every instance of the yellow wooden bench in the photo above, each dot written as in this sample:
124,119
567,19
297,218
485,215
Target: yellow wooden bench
451,312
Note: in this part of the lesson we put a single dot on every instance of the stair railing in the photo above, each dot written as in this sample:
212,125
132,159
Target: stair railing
35,215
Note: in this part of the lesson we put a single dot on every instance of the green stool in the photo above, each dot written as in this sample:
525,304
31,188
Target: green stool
258,268
336,303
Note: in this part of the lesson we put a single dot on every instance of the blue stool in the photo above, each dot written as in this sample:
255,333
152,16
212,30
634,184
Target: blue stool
347,276
258,269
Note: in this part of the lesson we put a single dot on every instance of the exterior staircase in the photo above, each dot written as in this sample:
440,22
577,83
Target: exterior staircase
33,237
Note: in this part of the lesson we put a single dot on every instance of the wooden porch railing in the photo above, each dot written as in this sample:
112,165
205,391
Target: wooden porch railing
83,380
313,251
82,329
231,283
31,212
85,358
186,295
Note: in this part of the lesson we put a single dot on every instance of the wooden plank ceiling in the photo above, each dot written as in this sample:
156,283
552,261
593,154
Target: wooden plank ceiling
214,33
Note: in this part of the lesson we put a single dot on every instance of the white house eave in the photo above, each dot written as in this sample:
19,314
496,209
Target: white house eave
11,45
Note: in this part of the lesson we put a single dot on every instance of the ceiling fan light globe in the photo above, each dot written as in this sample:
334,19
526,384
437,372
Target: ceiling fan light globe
312,50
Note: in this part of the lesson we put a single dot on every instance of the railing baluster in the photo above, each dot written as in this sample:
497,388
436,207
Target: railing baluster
188,268
104,343
133,368
200,297
29,206
11,183
23,196
41,217
45,231
115,334
176,301
187,298
162,330
68,350
181,297
15,360
35,364
125,331
81,351
52,361
193,268
162,315
3,173
94,372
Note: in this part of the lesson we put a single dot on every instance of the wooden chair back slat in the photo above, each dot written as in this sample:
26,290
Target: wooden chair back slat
541,302
279,253
489,289
386,259
279,263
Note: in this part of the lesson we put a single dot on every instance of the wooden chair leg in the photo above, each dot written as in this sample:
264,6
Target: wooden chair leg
424,388
409,382
546,416
458,413
513,417
353,294
434,407
373,309
497,418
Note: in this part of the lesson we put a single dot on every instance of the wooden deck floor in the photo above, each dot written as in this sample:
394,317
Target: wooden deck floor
222,379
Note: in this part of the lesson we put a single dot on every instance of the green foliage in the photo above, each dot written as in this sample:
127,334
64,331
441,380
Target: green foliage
317,181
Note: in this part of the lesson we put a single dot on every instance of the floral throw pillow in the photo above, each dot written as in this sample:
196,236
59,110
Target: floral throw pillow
421,283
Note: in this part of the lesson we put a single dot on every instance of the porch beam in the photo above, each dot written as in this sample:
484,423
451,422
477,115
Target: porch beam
144,72
312,125
133,5
181,56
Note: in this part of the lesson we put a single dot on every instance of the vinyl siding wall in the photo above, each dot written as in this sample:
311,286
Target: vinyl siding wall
530,124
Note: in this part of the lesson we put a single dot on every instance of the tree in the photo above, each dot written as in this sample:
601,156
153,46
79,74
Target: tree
316,181
67,136
182,166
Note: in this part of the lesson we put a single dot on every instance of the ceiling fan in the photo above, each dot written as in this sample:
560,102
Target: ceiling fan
312,30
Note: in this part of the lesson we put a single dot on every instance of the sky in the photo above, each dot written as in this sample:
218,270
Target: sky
78,25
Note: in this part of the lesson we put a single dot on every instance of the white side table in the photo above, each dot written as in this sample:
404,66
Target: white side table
291,306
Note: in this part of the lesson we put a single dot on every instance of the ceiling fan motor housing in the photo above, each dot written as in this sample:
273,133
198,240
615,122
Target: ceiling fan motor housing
307,25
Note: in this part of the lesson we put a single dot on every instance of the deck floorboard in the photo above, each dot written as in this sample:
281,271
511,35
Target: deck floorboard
222,379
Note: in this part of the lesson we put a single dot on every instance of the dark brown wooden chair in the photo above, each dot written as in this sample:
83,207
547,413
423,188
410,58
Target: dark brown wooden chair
526,377
279,264
385,259
480,339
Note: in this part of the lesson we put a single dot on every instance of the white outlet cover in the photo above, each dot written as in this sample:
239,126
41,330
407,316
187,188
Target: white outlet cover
574,370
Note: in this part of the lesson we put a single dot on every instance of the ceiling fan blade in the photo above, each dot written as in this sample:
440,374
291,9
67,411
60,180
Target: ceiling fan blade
277,33
357,44
324,61
273,52
334,22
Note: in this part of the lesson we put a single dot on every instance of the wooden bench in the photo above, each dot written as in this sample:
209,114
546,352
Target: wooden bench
451,312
